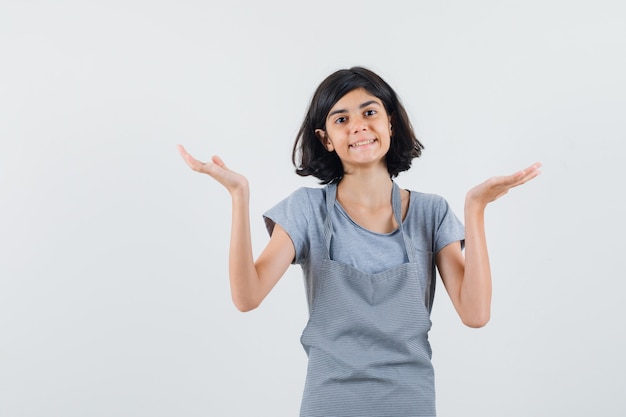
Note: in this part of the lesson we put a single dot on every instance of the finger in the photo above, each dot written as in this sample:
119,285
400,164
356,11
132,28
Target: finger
191,161
183,152
530,173
524,175
218,161
532,170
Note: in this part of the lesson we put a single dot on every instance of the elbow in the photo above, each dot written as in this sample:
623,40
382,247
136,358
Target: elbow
245,305
245,308
476,321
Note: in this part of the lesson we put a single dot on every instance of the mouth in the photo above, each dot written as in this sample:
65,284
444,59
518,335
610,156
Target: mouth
363,143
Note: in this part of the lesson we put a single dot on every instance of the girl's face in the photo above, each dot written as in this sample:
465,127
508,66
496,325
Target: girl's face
358,129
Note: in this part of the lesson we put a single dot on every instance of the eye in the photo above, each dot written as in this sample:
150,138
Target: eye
370,112
339,120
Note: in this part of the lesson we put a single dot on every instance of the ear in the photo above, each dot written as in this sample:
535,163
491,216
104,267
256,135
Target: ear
323,137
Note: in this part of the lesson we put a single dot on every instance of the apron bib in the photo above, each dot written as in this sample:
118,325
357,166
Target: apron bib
367,336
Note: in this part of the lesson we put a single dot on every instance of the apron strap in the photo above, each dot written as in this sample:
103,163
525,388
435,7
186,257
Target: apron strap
396,202
331,195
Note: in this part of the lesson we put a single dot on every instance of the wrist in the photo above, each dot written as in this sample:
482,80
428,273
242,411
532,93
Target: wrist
474,205
240,192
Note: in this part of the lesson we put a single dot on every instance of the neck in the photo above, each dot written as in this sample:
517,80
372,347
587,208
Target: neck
369,188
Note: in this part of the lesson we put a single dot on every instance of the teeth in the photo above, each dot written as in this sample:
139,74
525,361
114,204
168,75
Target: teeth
365,142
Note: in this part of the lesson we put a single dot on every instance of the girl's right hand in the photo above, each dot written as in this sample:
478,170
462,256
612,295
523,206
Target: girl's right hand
216,168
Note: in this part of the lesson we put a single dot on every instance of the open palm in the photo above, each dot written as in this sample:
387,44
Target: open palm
216,169
495,187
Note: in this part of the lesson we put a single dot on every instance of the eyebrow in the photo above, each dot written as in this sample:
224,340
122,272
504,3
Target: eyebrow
367,103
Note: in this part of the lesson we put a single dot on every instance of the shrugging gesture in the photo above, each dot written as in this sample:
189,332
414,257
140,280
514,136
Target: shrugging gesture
360,226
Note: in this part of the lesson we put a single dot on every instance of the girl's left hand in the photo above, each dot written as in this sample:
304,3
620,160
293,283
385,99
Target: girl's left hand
496,187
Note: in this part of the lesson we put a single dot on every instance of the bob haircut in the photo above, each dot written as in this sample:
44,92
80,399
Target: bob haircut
310,157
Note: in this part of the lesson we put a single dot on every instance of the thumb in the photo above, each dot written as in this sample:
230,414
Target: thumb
218,161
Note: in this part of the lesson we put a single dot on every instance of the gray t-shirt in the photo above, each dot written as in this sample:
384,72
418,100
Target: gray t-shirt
429,223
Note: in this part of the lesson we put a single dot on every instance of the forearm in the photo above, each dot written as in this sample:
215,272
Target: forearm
475,291
469,277
247,287
244,280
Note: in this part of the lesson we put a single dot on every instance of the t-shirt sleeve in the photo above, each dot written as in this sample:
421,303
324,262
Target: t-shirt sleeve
448,227
292,215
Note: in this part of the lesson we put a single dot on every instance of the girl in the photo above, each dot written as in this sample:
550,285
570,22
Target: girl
368,250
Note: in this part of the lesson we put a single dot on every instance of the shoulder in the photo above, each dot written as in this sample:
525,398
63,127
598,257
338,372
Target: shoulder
426,201
300,214
303,200
306,195
312,193
432,208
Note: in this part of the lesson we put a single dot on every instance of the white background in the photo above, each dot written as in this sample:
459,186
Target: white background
114,297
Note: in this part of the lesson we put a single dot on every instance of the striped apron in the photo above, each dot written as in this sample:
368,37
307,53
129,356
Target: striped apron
367,336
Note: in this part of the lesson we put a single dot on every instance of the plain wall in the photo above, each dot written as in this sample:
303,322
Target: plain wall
114,296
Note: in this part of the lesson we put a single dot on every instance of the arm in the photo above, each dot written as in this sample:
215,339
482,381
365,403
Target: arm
250,281
468,278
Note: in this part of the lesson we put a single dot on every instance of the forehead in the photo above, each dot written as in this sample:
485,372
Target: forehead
354,99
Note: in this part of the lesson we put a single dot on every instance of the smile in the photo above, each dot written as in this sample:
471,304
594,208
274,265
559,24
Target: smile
362,143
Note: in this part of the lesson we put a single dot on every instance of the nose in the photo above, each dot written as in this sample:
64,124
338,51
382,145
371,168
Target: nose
358,125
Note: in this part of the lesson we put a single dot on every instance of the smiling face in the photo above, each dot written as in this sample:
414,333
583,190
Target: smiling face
358,129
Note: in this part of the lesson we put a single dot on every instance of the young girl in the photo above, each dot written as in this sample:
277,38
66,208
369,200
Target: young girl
368,250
